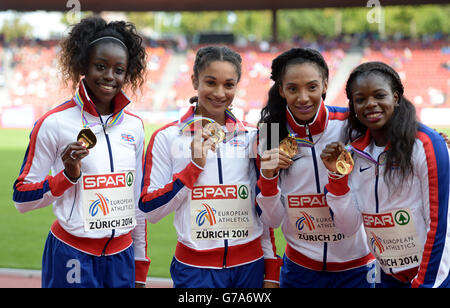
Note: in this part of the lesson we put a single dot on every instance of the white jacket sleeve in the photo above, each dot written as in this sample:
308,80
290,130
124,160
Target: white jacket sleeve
346,215
163,191
139,233
35,188
269,200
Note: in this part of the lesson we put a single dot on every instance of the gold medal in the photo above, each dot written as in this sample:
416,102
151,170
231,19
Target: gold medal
289,146
215,131
87,138
344,163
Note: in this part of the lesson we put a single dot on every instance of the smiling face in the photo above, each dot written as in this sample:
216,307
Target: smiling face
373,101
216,86
303,87
106,74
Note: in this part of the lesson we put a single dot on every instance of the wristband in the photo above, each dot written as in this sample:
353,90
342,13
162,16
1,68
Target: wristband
335,175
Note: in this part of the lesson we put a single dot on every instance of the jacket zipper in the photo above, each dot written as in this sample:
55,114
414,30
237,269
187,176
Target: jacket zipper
225,242
377,172
316,172
111,164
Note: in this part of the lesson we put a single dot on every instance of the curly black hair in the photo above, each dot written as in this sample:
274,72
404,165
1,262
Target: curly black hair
275,109
76,48
401,128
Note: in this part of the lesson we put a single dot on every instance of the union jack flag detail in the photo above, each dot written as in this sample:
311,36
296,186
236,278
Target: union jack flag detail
128,138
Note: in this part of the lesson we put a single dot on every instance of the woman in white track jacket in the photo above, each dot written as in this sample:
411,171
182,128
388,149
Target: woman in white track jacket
292,188
99,236
221,240
399,187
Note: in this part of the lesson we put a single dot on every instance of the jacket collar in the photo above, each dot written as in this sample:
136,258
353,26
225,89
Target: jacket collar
317,126
186,122
83,100
363,142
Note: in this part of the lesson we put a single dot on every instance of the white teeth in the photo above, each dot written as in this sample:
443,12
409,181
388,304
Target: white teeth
373,115
106,87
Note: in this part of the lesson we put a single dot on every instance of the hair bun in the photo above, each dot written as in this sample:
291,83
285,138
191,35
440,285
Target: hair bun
193,99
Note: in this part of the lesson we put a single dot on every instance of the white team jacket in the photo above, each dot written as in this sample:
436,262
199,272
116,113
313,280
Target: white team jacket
420,203
119,147
295,199
171,179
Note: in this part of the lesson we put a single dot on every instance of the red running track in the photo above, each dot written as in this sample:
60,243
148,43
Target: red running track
17,278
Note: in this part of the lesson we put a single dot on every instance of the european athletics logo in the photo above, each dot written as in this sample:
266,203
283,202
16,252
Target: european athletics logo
207,214
101,203
375,241
305,220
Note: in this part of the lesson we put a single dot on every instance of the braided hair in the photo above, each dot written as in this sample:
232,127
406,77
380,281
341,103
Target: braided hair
275,109
401,127
76,48
208,54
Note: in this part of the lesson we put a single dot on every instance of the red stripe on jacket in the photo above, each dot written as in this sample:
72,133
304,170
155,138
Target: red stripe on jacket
53,180
433,189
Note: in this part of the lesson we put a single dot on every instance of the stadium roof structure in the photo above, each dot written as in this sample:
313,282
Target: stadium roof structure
195,5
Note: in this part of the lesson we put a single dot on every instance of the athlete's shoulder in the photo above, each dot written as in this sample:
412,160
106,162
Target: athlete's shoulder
169,130
133,116
55,113
428,134
337,113
432,145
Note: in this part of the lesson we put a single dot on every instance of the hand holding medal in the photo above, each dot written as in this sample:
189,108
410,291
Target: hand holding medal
337,159
204,140
344,163
215,132
279,158
87,138
76,151
289,146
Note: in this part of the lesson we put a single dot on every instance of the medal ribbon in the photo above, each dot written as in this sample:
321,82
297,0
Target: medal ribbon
115,120
363,154
301,142
192,119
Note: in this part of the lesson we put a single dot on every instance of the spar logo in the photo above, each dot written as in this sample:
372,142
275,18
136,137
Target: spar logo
307,201
386,220
103,181
378,220
216,192
208,214
101,204
305,221
376,243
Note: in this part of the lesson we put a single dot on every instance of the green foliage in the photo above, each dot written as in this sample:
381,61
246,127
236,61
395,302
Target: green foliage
306,23
15,28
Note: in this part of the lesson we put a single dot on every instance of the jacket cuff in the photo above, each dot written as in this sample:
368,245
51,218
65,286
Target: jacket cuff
272,269
141,270
268,187
189,175
337,186
59,184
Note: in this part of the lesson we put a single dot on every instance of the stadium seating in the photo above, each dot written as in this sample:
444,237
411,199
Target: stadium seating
35,79
421,69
